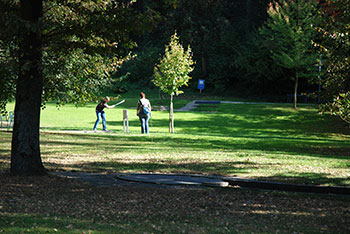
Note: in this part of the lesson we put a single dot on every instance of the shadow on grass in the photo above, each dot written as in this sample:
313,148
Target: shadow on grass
320,148
307,178
211,168
36,223
185,211
215,168
268,120
58,205
276,147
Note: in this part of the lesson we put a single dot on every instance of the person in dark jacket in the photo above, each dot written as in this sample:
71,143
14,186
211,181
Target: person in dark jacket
101,113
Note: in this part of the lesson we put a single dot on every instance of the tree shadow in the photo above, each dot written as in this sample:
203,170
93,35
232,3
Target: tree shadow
324,148
307,178
268,120
209,168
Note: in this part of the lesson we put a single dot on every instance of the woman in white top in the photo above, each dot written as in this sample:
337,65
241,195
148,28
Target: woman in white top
143,111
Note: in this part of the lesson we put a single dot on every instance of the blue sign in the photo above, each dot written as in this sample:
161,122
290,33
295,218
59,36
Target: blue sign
200,84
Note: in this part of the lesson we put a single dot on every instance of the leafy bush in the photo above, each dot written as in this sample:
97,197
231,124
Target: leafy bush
340,106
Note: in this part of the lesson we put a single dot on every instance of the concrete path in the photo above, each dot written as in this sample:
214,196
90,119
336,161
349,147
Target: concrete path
132,179
188,107
174,179
183,180
195,103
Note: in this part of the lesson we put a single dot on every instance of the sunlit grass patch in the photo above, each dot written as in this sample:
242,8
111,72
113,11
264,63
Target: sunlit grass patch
263,141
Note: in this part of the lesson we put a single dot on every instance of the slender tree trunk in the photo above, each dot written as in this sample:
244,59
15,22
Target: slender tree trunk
171,115
161,98
25,151
250,15
296,91
204,61
203,54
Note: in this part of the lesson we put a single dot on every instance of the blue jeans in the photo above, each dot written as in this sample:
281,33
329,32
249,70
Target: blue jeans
103,115
144,123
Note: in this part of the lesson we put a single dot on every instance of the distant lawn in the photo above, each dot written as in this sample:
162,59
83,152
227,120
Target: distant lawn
267,142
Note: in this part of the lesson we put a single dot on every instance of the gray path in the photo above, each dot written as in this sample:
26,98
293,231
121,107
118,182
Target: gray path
195,103
182,180
132,179
188,107
174,179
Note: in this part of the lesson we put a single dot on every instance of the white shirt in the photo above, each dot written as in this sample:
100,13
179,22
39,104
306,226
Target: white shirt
144,102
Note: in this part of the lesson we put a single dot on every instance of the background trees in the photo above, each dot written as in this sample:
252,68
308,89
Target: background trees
213,28
288,35
70,49
59,49
335,45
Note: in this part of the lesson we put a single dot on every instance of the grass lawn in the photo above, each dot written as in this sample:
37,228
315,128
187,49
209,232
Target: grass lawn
265,142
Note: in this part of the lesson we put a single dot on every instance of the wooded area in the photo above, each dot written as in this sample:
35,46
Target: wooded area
68,51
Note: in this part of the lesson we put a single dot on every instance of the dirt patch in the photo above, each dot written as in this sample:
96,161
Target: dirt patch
231,209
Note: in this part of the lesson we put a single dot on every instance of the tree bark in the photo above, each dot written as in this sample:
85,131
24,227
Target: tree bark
171,115
25,151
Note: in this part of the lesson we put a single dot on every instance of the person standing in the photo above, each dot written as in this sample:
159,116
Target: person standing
101,113
143,111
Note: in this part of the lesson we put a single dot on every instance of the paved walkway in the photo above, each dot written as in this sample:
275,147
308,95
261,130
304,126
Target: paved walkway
174,179
188,107
133,179
195,103
183,180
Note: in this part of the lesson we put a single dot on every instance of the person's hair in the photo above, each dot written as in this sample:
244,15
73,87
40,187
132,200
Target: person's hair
142,95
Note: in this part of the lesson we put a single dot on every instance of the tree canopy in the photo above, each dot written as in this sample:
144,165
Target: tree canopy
290,33
67,50
173,71
59,49
335,45
83,42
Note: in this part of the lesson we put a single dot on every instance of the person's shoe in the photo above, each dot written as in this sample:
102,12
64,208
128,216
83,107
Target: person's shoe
106,130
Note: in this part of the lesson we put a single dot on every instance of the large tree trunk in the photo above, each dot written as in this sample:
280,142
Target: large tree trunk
25,152
171,115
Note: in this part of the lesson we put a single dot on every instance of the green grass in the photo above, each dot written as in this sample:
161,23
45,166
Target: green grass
265,141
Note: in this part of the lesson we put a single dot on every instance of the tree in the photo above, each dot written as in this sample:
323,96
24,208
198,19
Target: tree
25,151
289,33
340,106
172,72
335,45
58,48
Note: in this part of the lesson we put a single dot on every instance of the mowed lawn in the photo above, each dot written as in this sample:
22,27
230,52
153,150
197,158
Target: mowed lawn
262,141
266,142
